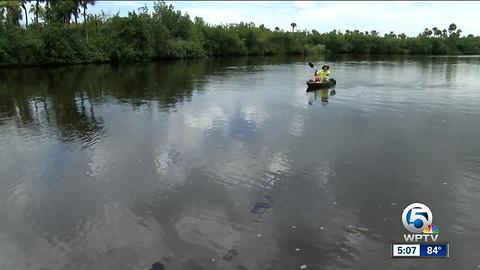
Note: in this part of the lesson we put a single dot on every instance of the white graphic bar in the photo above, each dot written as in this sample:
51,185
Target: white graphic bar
405,250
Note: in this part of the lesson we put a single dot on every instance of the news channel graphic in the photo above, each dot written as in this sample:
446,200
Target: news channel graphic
421,242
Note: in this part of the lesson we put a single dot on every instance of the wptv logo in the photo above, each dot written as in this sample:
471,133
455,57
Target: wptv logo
417,219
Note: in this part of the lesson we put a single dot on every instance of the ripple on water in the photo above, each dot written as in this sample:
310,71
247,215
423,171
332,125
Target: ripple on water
20,201
235,166
279,165
325,172
297,126
3,236
98,163
171,167
206,119
255,114
465,197
207,227
112,239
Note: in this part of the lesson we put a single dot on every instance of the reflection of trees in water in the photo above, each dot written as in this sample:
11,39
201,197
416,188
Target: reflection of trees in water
39,99
142,83
67,98
443,67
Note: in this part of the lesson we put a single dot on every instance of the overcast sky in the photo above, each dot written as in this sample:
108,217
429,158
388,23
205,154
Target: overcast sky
400,16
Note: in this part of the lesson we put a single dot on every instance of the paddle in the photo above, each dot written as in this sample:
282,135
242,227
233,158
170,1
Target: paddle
312,66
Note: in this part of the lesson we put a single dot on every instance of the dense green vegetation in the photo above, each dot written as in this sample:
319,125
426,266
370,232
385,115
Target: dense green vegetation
55,36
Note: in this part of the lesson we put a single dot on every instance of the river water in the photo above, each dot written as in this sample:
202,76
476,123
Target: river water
230,164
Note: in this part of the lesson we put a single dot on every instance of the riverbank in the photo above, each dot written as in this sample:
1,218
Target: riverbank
166,33
252,60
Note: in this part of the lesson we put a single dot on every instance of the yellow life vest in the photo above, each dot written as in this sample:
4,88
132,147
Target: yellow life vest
324,73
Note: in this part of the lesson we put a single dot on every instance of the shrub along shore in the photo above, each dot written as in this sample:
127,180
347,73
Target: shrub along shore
166,33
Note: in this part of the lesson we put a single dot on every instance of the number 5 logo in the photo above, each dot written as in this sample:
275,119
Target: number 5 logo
416,216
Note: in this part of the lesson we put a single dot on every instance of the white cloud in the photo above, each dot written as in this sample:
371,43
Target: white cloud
98,165
304,4
254,114
123,3
215,16
205,120
408,17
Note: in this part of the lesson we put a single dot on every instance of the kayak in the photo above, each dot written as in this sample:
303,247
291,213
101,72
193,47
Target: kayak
312,85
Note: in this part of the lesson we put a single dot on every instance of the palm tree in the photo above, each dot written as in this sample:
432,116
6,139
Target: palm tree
76,10
22,4
293,25
427,32
35,9
84,4
457,34
13,11
451,28
60,11
437,32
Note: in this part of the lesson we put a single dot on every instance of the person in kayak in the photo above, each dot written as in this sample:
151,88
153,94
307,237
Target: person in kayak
323,75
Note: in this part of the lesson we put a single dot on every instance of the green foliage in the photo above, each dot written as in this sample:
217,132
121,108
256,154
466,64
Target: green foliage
60,46
53,38
11,12
18,47
131,37
433,41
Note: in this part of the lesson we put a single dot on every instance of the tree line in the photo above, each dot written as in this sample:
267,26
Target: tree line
56,35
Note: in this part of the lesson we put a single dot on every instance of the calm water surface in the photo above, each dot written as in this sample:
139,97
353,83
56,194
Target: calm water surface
230,164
